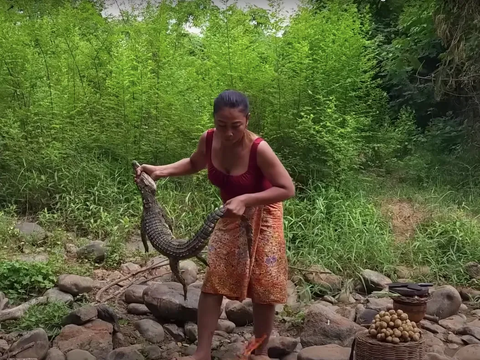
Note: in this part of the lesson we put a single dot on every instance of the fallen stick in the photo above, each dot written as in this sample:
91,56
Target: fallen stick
9,354
151,267
18,311
134,282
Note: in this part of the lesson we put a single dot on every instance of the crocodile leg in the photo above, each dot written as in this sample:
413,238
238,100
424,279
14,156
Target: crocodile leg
202,259
143,234
176,273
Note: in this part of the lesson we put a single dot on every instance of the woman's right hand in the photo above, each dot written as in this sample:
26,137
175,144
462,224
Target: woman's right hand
150,170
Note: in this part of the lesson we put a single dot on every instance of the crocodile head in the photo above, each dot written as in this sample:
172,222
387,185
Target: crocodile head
145,183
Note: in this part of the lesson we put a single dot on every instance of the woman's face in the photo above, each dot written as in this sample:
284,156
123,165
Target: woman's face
230,125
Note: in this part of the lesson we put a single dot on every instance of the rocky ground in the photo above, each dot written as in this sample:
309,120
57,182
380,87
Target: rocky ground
154,321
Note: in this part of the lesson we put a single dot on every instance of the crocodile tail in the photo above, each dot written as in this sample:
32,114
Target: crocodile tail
208,226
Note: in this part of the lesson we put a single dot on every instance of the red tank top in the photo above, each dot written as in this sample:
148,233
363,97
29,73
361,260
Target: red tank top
251,181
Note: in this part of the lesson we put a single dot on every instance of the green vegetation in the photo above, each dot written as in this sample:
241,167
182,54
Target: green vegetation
369,104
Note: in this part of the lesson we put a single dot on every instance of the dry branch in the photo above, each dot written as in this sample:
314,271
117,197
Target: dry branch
102,290
18,311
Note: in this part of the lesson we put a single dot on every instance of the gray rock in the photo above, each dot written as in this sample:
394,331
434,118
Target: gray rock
470,330
134,294
281,346
365,316
445,301
225,325
476,313
78,354
94,337
129,268
151,330
166,302
325,352
346,312
56,295
435,356
453,323
40,348
3,346
33,258
119,341
125,353
152,352
323,326
175,332
469,352
81,315
191,331
379,304
230,352
323,277
470,340
71,249
240,313
95,251
75,284
375,281
31,229
433,344
137,309
473,270
55,354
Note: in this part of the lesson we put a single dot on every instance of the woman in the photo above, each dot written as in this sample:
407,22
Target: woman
253,183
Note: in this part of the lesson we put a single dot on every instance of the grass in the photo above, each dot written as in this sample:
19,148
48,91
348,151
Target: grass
342,228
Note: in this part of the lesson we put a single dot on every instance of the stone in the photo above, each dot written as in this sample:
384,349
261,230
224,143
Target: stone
129,268
432,327
70,250
292,356
322,326
191,331
55,354
366,316
94,337
56,295
232,351
445,301
175,332
38,351
469,294
470,330
225,325
95,251
325,352
166,302
379,304
476,313
374,281
453,323
81,315
134,294
323,277
3,346
281,346
454,339
137,309
435,356
118,340
473,270
240,313
33,258
469,352
152,352
151,330
346,312
463,308
75,284
469,340
433,344
78,354
31,229
125,353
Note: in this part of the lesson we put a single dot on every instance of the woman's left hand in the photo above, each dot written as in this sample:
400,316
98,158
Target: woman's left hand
235,206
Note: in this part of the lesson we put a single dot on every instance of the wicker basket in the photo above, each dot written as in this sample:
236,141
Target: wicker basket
367,348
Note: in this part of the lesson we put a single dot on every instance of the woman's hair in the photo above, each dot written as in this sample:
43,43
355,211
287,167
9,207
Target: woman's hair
233,100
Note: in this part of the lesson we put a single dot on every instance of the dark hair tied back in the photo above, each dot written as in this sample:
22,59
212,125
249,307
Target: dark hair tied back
233,100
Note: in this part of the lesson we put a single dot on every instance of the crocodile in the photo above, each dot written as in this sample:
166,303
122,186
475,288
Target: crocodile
156,228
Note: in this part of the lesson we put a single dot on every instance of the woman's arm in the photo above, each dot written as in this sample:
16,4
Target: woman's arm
282,184
195,163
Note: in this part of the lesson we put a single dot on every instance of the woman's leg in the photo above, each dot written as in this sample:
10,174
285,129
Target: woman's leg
208,313
263,318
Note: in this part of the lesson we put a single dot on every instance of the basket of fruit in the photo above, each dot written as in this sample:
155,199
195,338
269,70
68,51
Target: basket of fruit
391,336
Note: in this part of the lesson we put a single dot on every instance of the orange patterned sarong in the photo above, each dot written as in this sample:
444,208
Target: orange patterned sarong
231,271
